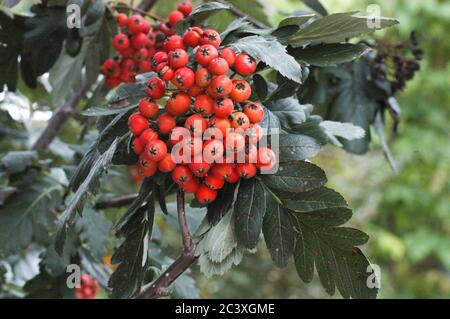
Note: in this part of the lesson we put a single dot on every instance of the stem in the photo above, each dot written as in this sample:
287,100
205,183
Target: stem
142,12
159,287
239,13
116,202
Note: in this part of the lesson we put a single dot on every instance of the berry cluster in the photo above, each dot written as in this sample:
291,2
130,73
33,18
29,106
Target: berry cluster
208,132
137,44
88,289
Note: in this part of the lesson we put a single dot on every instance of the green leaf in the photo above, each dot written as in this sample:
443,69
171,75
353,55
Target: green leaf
260,86
253,8
249,211
313,200
272,53
278,232
332,250
325,55
89,186
132,255
94,230
316,6
222,204
25,212
16,162
296,147
200,14
347,131
285,113
104,111
296,177
344,94
336,28
233,26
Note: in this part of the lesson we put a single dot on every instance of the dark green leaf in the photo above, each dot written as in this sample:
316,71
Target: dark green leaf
296,177
278,232
330,54
222,204
249,210
316,6
89,186
332,250
200,14
336,28
260,85
313,200
16,162
295,147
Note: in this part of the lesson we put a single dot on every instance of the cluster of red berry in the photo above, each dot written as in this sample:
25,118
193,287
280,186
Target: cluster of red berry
137,44
88,289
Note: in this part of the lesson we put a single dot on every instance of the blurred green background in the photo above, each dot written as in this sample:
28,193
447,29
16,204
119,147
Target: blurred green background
407,214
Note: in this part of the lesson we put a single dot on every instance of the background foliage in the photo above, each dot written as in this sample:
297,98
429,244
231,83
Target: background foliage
406,214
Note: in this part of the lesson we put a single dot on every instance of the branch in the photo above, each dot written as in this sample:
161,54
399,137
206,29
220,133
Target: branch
239,13
116,202
146,5
159,287
59,119
142,12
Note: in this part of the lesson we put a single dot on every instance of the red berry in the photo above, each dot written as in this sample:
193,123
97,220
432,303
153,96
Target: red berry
159,57
156,150
218,66
166,29
266,159
220,123
233,178
140,55
234,143
178,58
174,42
192,36
137,146
213,151
121,42
183,78
246,170
195,91
145,27
112,82
241,91
175,17
122,20
127,65
127,76
165,71
147,136
204,104
222,171
144,66
206,53
167,164
240,121
166,123
205,194
212,37
254,111
135,24
245,64
254,133
196,124
185,7
155,88
229,55
137,123
200,169
178,104
221,86
178,134
111,68
146,166
181,174
203,77
148,108
139,40
191,186
223,107
214,182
